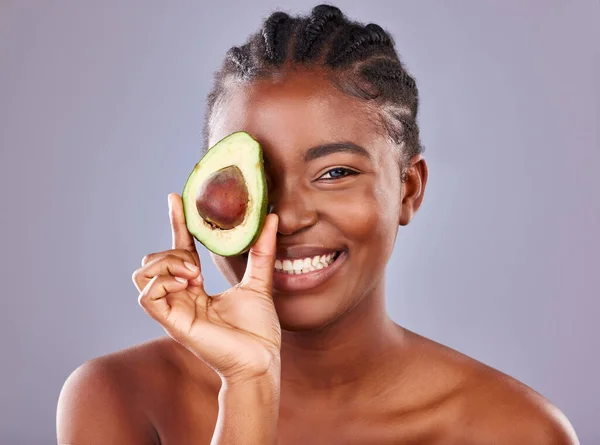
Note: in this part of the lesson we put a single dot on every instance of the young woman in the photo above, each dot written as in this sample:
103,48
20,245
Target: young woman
310,357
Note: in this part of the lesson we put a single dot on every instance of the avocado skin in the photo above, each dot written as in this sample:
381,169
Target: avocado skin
240,239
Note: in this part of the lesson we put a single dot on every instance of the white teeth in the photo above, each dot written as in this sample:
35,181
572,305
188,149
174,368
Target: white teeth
304,265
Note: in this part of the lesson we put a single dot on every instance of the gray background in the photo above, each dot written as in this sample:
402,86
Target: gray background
101,105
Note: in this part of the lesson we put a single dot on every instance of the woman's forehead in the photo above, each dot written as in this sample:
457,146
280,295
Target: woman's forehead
299,109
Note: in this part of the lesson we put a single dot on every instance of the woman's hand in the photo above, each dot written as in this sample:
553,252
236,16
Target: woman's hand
236,332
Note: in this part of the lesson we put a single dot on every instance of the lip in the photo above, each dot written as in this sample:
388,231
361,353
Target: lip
300,251
285,282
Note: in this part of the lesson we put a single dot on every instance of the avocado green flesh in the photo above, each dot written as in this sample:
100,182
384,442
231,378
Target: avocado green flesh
243,151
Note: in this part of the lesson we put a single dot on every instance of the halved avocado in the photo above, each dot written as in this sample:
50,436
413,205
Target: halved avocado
225,197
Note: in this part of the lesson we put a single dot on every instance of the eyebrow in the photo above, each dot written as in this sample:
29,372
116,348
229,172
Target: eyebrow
335,147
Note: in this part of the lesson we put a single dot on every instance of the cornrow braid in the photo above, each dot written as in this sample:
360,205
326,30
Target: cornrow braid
391,81
277,32
323,21
362,60
240,57
359,42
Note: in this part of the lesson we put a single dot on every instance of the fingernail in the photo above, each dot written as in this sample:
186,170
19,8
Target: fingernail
191,266
181,280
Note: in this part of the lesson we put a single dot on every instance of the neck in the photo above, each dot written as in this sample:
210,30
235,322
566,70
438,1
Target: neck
344,356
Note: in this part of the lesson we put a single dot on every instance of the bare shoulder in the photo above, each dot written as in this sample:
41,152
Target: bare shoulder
99,401
496,406
493,406
488,406
115,398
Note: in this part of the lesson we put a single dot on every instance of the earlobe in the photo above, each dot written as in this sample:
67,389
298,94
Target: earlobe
413,189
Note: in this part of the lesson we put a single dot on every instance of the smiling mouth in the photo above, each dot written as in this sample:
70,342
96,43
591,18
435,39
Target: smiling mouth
301,266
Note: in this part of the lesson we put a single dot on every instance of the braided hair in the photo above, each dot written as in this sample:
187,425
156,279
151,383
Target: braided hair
362,59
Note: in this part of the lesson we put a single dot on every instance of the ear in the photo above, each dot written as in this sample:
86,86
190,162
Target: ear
413,188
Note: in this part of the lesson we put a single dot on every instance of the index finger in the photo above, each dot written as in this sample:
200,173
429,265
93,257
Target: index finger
182,239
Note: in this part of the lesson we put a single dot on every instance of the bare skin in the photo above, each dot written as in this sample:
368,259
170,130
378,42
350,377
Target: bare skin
346,373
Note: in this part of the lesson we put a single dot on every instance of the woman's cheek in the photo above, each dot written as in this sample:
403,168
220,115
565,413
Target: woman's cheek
363,216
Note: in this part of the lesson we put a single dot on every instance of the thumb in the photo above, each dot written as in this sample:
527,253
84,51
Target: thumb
261,258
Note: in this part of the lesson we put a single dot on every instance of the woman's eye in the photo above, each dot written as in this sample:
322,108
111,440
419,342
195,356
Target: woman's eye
337,173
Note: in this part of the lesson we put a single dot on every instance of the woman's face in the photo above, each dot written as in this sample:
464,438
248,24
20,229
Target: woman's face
348,199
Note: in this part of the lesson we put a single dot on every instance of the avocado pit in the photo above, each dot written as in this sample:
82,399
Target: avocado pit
222,200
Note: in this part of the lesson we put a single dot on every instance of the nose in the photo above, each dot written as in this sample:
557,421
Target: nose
294,208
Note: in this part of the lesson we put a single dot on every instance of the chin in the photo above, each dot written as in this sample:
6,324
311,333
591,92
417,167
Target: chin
305,312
